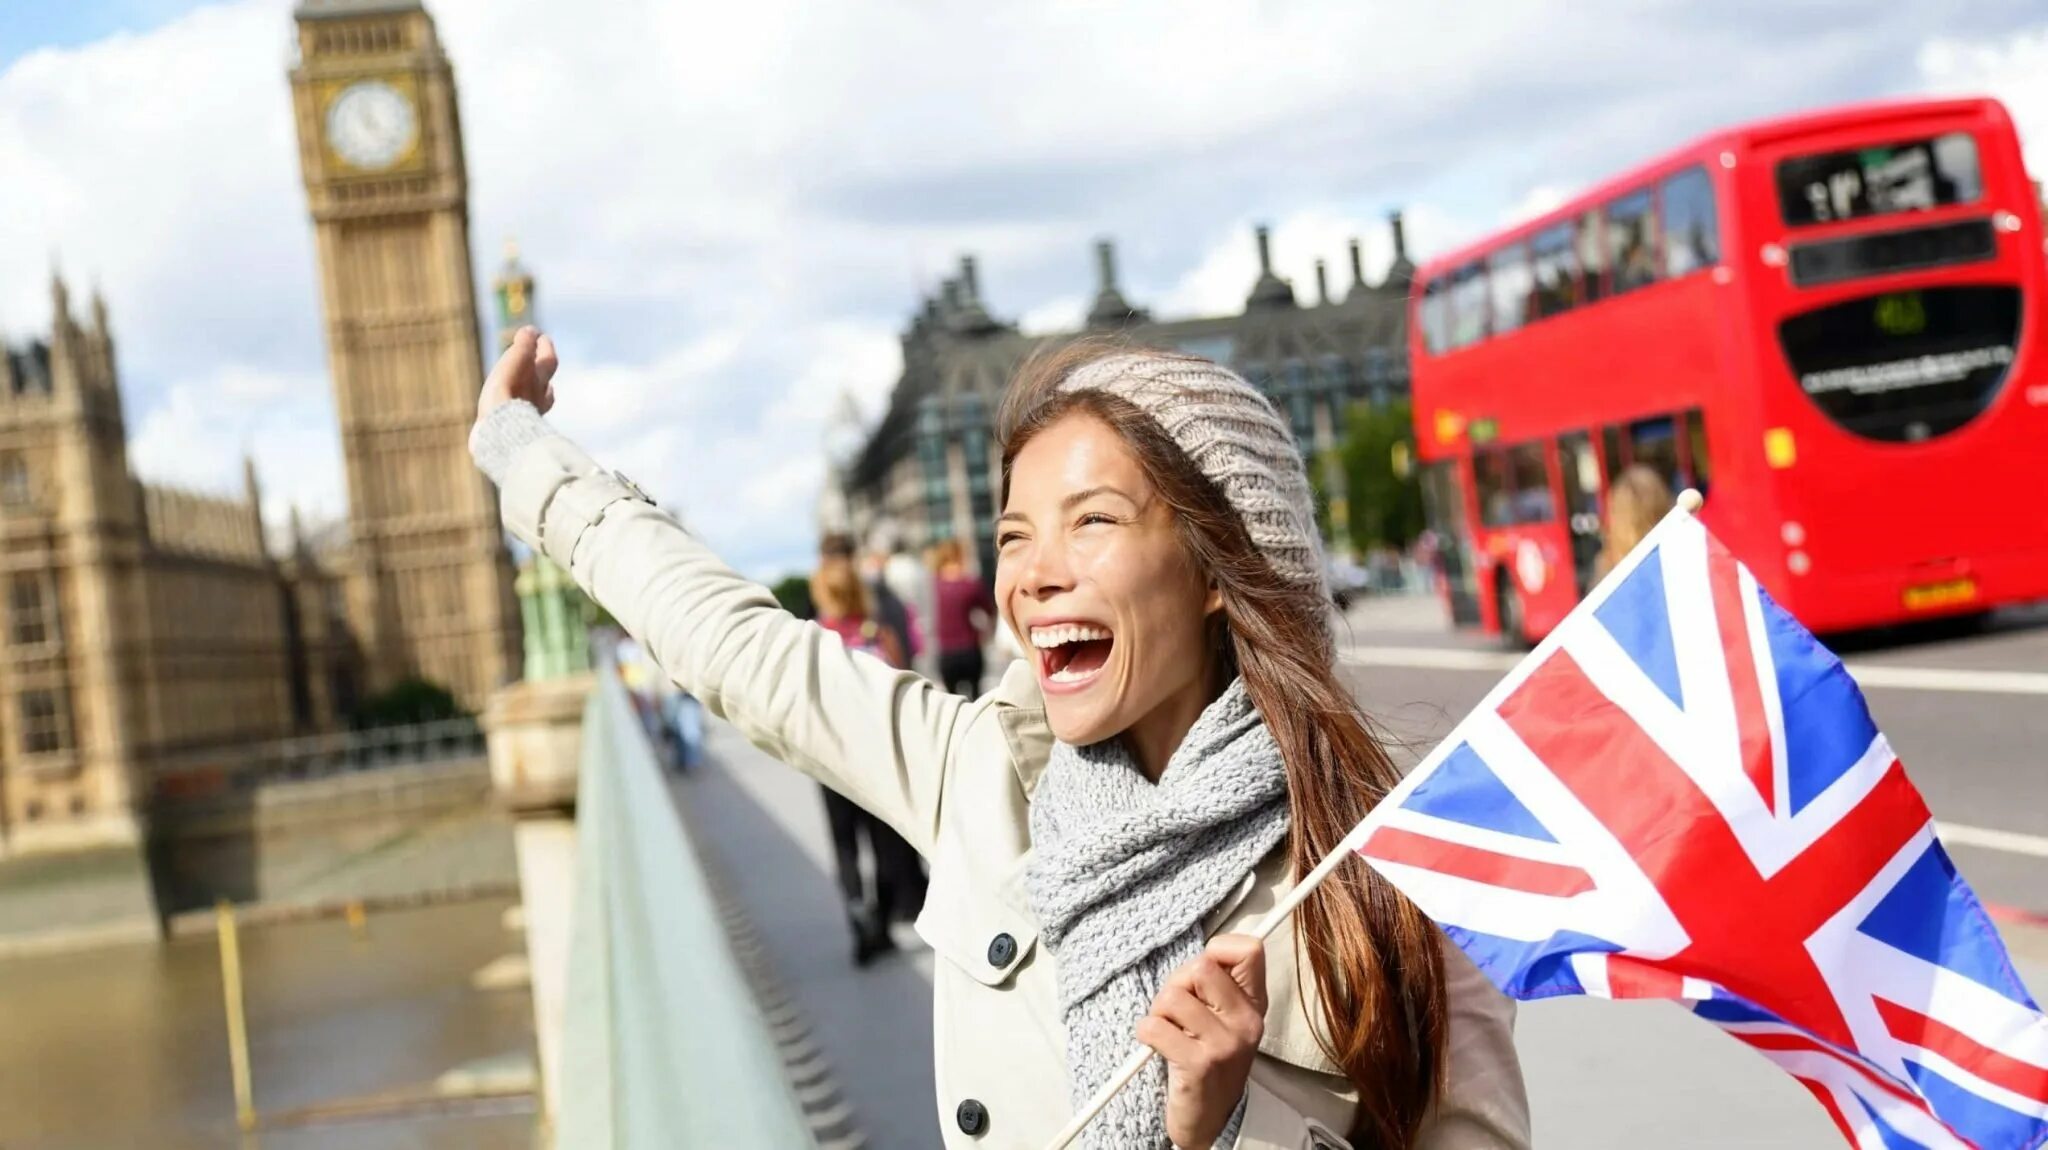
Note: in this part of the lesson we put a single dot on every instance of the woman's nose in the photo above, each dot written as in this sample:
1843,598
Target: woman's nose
1046,571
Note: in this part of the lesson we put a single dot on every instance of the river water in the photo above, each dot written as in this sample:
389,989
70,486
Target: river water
127,1047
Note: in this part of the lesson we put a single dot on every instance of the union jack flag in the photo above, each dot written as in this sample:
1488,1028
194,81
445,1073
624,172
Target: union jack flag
1680,794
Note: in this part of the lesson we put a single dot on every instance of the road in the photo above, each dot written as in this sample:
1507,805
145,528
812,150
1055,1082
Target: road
1601,1075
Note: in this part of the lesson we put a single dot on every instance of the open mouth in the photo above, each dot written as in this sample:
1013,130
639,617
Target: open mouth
1071,653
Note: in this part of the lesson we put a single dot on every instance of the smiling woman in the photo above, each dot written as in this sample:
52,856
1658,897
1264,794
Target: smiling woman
1105,825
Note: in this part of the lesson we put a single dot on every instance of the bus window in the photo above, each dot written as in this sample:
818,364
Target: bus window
1529,475
1582,486
1654,444
1435,331
1556,271
1700,473
1490,480
1468,305
1443,504
1592,258
1690,239
1632,241
1508,268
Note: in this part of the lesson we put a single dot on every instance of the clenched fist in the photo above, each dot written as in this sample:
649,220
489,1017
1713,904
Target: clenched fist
525,371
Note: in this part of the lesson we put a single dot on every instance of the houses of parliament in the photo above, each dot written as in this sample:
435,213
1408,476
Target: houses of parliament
144,625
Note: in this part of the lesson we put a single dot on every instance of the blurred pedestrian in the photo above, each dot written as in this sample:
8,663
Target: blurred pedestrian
1175,752
965,614
891,887
910,581
1638,499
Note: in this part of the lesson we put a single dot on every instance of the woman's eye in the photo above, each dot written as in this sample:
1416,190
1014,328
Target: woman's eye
1093,517
1008,537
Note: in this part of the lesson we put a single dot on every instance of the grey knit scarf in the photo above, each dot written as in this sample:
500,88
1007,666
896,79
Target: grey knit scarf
1123,873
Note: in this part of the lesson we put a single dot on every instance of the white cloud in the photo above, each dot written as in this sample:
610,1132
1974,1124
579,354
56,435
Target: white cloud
2015,70
732,208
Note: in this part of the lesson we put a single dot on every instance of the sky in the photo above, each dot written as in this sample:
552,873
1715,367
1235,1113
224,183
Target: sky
731,210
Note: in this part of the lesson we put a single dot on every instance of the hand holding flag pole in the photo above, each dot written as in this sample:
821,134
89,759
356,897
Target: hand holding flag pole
1687,504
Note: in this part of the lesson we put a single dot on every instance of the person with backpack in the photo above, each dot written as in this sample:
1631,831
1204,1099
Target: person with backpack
845,607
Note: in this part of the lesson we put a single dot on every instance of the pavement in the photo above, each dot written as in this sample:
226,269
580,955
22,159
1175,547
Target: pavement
1601,1075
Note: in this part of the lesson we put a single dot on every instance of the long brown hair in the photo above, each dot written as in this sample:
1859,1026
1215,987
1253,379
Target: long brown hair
837,591
1376,958
1635,503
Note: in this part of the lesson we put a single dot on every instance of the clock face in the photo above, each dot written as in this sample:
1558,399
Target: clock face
371,125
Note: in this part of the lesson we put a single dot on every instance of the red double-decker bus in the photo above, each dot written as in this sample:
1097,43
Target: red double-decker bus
1831,324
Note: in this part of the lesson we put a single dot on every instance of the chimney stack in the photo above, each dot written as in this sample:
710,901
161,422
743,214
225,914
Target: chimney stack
1270,290
1357,266
1400,235
1322,283
970,282
1105,266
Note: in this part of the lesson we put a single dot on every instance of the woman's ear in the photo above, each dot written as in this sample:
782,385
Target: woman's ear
1213,601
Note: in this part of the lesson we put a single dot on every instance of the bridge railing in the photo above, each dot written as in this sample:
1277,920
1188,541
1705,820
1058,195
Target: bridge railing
229,770
663,1043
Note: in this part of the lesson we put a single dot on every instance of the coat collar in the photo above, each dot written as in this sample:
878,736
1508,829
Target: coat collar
1021,712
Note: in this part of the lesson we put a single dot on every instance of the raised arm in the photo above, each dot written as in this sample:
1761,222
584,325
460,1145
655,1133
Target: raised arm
881,736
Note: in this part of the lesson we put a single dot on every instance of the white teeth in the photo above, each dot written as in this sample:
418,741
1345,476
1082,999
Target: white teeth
1069,675
1061,634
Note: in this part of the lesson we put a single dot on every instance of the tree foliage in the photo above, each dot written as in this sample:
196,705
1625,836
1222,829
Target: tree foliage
1385,507
409,701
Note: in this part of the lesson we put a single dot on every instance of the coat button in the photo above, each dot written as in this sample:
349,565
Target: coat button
1001,949
972,1117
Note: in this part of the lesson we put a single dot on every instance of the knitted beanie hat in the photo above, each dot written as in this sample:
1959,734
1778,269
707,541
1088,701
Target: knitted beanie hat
1236,438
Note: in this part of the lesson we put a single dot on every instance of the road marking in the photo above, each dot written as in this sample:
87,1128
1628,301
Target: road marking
1868,676
2011,842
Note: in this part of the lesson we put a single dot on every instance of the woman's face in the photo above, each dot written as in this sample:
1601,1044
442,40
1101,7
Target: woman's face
1096,585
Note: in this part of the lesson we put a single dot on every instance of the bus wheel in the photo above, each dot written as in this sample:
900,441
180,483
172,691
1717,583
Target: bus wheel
1507,608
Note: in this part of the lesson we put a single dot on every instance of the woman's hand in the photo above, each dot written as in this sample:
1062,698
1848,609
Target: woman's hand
1206,1023
525,371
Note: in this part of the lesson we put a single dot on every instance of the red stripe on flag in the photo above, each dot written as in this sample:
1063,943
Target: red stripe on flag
1733,621
1994,1066
1788,1040
1394,845
1827,1103
1634,978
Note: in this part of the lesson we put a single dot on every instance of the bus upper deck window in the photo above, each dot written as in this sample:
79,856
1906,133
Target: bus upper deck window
1592,257
1468,305
1632,241
1435,329
1509,270
1556,271
1691,238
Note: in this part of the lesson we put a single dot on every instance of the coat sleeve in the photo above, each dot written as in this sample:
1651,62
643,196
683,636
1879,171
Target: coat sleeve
878,735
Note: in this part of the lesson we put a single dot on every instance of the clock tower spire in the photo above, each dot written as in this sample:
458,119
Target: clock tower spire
380,150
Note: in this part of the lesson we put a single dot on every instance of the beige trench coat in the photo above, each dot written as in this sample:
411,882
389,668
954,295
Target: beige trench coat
955,777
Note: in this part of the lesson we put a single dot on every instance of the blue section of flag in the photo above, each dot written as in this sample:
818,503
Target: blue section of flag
1465,790
1725,1007
1892,1139
1635,614
1984,1122
1932,916
1827,727
1528,970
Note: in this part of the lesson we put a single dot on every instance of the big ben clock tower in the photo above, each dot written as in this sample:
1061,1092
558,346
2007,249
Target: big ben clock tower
380,146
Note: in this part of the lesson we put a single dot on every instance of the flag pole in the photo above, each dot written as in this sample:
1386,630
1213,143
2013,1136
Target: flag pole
1688,502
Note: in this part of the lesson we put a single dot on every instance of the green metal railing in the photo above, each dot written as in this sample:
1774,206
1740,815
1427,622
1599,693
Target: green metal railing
663,1043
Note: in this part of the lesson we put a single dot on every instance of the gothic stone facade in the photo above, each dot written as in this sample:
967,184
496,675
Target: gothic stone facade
931,468
141,622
